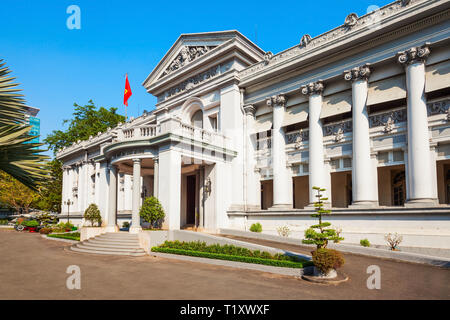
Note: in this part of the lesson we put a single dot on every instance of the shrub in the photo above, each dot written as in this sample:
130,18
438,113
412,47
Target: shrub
92,214
47,219
393,240
69,236
225,249
256,227
321,237
152,211
364,243
126,225
31,224
327,259
62,227
3,221
246,259
45,231
284,231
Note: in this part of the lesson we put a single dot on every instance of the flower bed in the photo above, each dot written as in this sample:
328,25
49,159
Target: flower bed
69,236
231,253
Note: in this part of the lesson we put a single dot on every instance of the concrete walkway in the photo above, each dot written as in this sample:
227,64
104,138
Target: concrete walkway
35,268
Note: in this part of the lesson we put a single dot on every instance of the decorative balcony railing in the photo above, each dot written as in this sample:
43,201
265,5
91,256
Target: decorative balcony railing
173,126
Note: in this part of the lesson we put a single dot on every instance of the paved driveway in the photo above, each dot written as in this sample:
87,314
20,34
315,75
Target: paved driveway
35,268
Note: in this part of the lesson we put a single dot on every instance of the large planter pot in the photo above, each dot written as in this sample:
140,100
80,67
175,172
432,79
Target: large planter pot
31,229
330,275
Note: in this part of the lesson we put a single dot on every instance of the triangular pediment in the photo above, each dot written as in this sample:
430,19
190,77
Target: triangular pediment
190,48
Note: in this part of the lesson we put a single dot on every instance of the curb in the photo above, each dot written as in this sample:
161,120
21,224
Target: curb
241,265
372,252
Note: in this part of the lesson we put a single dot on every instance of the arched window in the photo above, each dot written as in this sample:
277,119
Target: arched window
197,119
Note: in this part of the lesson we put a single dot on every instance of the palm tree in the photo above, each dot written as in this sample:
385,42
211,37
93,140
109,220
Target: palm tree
18,157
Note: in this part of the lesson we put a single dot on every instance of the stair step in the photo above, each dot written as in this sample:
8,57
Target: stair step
113,249
73,248
107,236
118,241
111,245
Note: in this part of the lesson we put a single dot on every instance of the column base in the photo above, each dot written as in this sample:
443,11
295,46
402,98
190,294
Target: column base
281,206
236,207
134,229
114,228
420,203
253,207
363,204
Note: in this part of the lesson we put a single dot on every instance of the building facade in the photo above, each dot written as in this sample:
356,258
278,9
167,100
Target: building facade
240,135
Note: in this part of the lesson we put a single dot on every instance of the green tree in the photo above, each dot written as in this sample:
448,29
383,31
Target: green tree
15,194
50,189
87,121
321,237
152,211
18,156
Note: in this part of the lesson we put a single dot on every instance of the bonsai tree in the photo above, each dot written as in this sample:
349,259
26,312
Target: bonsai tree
323,234
152,211
92,214
325,260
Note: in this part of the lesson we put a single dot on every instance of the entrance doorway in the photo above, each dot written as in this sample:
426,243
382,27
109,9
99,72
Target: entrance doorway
190,199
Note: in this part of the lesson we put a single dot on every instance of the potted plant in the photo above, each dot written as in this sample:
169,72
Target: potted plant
393,240
325,261
92,214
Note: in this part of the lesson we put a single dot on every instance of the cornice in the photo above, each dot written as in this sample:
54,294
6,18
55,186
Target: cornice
343,35
311,63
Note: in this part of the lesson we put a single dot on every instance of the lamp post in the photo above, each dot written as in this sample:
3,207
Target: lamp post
68,202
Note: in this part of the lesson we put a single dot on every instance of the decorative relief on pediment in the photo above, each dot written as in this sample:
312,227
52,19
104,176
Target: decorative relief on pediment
186,55
351,24
267,57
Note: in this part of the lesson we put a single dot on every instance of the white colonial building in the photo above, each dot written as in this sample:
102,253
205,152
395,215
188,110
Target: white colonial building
240,135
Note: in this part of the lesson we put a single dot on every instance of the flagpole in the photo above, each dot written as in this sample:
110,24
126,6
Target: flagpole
126,117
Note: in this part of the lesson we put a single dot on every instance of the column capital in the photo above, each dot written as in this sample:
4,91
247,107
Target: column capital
413,55
312,88
156,160
277,100
137,160
358,73
250,110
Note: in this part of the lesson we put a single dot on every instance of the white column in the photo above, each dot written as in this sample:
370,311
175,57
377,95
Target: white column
155,177
363,169
282,182
135,218
252,186
420,173
170,187
112,198
232,122
317,172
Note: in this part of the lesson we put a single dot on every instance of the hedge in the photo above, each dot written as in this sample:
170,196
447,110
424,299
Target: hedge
268,262
70,236
227,249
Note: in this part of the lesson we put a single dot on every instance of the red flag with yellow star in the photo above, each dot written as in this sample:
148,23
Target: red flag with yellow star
127,93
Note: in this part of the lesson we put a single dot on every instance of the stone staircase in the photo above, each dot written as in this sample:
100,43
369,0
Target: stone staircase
114,243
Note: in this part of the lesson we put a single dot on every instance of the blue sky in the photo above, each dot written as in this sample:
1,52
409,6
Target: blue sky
56,66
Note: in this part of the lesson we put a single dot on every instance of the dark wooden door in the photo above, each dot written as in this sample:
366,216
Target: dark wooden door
190,198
